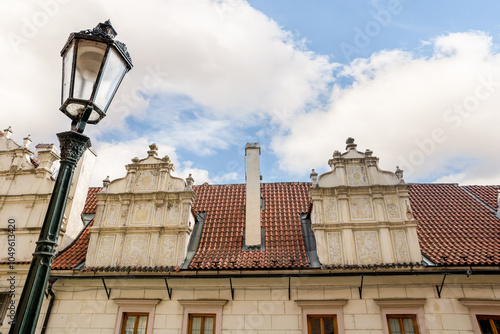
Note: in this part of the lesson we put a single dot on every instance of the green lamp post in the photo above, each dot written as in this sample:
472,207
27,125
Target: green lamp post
94,65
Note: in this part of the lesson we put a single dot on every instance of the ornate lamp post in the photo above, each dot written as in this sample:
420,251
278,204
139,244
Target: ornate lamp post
94,65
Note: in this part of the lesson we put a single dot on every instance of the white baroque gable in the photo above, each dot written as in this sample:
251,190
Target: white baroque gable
361,214
143,219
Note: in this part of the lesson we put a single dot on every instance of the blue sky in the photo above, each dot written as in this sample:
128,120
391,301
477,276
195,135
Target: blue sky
418,82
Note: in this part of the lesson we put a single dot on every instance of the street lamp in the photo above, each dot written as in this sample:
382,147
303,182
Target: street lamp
94,65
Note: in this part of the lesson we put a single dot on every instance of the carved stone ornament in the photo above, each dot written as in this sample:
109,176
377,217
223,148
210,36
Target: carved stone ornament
330,209
367,247
146,180
73,145
392,206
400,246
135,249
356,175
409,213
335,247
361,208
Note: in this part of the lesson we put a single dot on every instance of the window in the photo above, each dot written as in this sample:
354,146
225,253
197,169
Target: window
402,316
135,323
201,324
402,324
202,316
135,316
489,324
322,316
484,315
322,324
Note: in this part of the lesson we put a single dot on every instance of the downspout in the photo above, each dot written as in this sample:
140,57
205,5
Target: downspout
49,308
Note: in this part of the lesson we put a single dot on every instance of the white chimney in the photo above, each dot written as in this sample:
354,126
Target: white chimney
252,216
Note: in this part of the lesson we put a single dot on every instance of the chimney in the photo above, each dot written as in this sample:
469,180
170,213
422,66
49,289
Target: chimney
252,206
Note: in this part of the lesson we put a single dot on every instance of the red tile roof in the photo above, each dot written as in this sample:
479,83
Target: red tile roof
453,227
91,202
487,194
222,238
75,253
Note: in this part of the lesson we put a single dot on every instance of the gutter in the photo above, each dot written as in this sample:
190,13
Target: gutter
51,303
199,275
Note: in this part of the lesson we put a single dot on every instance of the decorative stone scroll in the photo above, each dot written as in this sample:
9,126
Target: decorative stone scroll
173,213
142,213
400,246
334,240
112,215
361,208
105,250
168,246
367,247
330,209
135,250
392,206
356,175
146,180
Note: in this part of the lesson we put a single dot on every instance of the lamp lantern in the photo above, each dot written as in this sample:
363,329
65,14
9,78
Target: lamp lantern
94,65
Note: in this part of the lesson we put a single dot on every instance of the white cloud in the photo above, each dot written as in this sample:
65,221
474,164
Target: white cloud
228,58
112,158
433,116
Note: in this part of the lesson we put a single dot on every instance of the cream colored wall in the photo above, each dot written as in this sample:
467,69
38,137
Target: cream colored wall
77,197
25,192
261,306
19,274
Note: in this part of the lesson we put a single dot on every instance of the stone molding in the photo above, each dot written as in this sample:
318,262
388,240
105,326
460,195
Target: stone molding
202,306
403,306
395,303
480,307
135,305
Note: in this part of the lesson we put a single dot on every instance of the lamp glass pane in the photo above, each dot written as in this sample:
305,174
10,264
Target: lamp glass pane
111,77
67,64
88,62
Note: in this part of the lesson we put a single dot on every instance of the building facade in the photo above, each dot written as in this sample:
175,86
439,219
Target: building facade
356,250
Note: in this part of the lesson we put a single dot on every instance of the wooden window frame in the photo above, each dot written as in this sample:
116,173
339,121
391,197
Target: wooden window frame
202,307
332,307
321,316
480,307
137,315
402,307
203,316
401,325
135,306
490,318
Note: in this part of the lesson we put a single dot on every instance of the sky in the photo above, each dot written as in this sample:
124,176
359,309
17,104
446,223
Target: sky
417,82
